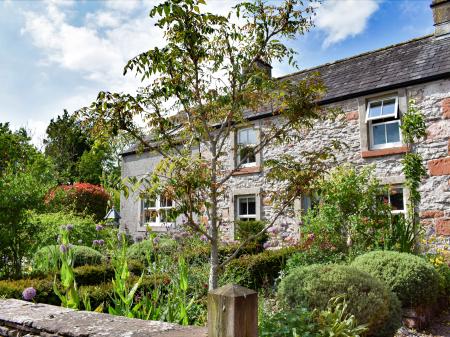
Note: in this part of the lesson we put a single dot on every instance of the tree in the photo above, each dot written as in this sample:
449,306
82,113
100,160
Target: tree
25,177
206,81
66,142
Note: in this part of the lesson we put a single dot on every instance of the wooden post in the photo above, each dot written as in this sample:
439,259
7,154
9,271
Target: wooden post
232,312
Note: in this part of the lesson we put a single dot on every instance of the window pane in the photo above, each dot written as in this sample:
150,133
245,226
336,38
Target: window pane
150,215
251,206
389,107
393,132
375,109
242,137
242,206
396,196
248,154
150,203
251,136
379,134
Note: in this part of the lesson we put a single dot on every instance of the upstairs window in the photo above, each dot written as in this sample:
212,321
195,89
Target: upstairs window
246,142
156,211
384,123
246,208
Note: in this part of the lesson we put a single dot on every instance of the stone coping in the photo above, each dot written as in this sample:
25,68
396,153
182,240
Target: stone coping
20,318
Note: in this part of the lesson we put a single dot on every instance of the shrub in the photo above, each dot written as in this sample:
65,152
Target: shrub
411,278
350,217
80,198
313,256
138,251
44,259
49,225
256,271
282,323
43,286
368,299
245,229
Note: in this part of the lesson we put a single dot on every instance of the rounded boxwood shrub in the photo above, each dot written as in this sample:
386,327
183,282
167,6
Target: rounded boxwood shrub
368,299
411,278
44,259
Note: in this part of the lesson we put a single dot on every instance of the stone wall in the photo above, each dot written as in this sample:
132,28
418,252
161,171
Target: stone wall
19,318
433,99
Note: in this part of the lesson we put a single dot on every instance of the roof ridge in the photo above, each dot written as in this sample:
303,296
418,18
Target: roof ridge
354,57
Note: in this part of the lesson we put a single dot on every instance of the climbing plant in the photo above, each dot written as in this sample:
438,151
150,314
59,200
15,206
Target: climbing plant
413,129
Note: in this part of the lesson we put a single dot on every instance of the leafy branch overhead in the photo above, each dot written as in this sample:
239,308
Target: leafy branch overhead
211,78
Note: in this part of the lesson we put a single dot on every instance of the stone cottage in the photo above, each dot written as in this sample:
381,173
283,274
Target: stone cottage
372,89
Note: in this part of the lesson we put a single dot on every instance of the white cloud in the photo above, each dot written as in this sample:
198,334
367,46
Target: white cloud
340,19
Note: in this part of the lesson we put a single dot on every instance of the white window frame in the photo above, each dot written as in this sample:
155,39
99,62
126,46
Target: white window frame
238,152
403,211
394,115
386,145
157,209
246,216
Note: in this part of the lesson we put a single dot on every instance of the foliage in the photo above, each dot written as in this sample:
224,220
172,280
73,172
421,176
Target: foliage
140,251
209,72
368,299
350,217
282,323
46,258
66,142
412,279
402,236
413,129
256,271
49,224
334,321
25,176
246,229
81,198
313,256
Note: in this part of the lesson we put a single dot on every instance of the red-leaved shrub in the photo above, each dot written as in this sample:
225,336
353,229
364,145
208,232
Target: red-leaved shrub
79,198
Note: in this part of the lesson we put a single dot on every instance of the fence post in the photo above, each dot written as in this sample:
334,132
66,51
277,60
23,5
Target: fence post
232,312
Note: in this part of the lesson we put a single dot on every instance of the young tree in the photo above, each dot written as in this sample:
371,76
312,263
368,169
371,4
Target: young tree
206,81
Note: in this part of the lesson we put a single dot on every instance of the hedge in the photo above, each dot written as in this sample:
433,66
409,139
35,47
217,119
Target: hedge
256,271
368,299
43,260
410,277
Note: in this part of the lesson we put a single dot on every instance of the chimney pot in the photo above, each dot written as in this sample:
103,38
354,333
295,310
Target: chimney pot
264,66
441,17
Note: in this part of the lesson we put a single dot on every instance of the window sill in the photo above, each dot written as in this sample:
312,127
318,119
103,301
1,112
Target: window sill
247,170
384,152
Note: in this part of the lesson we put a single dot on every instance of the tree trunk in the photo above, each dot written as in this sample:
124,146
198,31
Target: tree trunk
214,230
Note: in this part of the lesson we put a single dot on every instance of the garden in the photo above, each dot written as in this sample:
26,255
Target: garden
358,269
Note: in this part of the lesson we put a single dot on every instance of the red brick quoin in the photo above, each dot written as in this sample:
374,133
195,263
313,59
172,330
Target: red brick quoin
439,167
443,227
432,214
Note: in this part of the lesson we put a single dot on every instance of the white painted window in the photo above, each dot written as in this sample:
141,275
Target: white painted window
246,142
384,123
246,208
396,198
156,211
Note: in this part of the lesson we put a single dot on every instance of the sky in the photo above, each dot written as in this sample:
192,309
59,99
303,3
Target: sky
58,54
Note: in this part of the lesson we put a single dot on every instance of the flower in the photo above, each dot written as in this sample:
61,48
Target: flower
204,238
29,293
69,228
98,242
63,248
156,240
266,245
98,227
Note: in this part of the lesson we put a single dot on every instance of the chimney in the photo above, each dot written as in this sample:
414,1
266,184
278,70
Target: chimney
441,17
265,66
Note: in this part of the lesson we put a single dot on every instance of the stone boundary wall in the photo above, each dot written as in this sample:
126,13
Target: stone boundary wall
20,318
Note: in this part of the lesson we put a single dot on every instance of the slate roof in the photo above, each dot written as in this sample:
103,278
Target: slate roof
419,60
416,61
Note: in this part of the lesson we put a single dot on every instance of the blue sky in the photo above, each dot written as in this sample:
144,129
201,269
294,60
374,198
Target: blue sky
57,55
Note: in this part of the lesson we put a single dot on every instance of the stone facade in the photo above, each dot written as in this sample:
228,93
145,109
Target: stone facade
350,129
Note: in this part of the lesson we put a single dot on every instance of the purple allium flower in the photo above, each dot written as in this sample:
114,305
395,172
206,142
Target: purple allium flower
98,227
156,240
69,228
266,245
98,242
284,235
29,293
204,238
273,230
63,248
